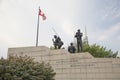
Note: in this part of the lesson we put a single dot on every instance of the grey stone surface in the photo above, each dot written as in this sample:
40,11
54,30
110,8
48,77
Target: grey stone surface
78,66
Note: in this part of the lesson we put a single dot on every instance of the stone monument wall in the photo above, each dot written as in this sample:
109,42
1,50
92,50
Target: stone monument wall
78,66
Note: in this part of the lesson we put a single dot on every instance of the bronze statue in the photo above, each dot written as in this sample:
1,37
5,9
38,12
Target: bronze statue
79,35
57,42
71,48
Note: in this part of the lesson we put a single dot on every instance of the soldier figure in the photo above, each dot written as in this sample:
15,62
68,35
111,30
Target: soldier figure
71,48
60,43
79,35
57,42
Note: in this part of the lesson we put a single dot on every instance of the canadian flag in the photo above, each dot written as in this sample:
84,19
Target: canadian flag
42,14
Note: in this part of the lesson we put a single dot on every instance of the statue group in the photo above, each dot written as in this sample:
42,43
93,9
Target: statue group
58,43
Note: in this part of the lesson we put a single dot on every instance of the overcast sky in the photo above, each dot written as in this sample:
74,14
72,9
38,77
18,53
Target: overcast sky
18,22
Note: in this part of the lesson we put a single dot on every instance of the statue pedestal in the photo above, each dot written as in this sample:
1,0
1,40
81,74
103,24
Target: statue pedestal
78,66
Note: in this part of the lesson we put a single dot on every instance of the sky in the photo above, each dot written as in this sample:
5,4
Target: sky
18,22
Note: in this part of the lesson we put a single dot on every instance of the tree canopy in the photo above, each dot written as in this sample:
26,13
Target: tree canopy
24,68
99,51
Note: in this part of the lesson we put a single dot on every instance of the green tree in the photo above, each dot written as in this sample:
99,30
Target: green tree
24,68
98,51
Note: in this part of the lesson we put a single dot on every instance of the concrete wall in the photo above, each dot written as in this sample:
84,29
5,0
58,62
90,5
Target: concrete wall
78,66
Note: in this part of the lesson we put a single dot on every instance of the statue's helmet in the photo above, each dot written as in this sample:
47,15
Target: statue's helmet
78,30
71,43
55,36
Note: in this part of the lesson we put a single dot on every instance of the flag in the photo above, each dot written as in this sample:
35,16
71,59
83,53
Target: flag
42,14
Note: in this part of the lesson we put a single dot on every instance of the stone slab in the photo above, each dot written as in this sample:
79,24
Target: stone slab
78,66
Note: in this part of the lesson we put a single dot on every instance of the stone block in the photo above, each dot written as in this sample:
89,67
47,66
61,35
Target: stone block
78,66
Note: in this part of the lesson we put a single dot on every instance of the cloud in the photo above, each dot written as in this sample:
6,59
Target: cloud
67,27
118,37
117,15
109,32
111,11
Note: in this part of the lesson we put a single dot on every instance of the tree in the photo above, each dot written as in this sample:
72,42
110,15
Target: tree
99,51
24,68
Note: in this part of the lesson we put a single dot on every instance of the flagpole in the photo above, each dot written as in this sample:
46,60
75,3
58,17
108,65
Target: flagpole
37,29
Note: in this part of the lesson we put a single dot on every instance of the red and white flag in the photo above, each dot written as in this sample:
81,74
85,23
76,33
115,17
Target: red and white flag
42,14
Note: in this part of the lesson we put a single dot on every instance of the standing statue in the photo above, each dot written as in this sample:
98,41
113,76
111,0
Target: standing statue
79,35
71,48
57,42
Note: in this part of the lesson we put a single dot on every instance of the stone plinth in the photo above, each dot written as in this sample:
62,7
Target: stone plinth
78,66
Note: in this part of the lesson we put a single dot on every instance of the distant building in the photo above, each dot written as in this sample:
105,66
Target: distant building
86,37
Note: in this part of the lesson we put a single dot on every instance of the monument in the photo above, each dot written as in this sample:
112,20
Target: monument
72,66
79,35
57,42
71,48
